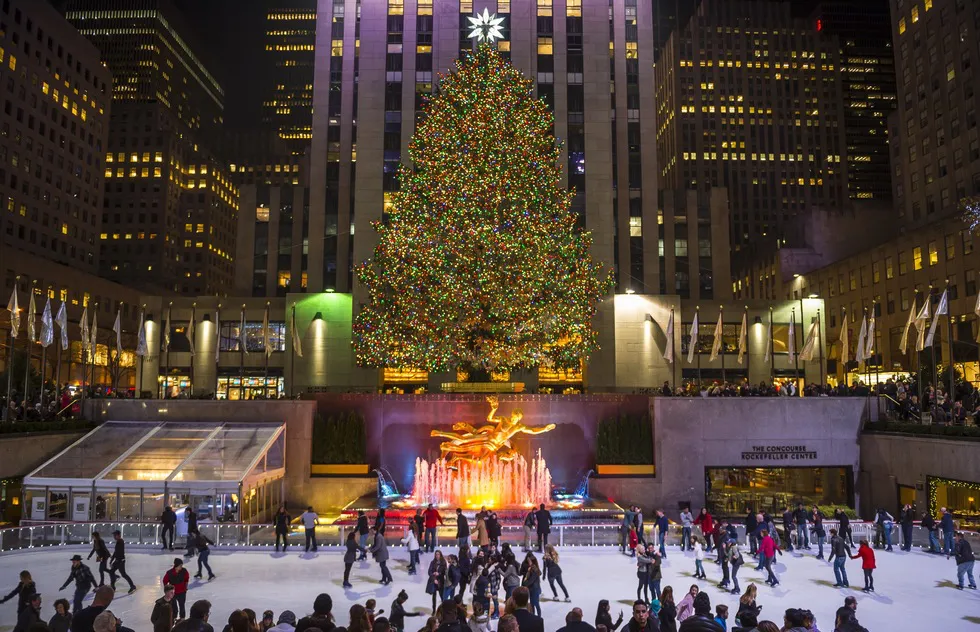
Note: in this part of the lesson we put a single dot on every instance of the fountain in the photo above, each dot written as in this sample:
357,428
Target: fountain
492,482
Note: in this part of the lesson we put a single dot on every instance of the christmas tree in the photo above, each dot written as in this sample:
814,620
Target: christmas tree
480,265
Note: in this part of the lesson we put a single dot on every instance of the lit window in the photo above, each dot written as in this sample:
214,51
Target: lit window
917,258
933,254
284,278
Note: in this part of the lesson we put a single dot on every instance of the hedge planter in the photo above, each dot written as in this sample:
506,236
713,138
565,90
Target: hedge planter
351,469
626,470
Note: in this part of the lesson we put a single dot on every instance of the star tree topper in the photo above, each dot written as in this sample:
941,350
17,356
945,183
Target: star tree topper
486,27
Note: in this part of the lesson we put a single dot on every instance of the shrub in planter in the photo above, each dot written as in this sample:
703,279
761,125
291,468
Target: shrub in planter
625,440
339,440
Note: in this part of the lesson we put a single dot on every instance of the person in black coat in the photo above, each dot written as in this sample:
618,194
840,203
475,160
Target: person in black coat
642,621
436,582
118,565
169,520
350,556
398,612
84,581
574,623
362,529
380,522
544,526
907,518
24,590
462,530
526,620
30,615
493,530
751,523
281,522
603,616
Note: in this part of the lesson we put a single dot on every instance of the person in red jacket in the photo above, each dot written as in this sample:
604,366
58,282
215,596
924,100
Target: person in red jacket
767,553
707,526
867,555
178,577
431,516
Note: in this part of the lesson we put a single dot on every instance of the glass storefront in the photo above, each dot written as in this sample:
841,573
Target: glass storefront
256,387
960,497
177,385
729,490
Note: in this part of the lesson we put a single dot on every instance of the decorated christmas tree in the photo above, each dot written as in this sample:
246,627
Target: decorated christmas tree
480,265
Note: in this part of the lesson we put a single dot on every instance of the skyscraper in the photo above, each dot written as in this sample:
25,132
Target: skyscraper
290,38
170,208
749,98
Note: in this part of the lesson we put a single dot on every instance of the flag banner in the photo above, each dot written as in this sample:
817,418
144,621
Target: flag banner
14,309
810,346
862,345
217,337
845,336
716,342
870,349
669,351
94,344
117,327
920,326
141,337
242,338
62,320
791,345
743,337
85,333
190,335
769,339
166,332
941,310
694,339
47,325
266,335
298,339
32,320
904,344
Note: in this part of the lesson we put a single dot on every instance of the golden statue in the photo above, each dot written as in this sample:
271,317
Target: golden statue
471,445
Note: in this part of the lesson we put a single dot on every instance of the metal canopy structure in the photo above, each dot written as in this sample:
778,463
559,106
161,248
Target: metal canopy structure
169,456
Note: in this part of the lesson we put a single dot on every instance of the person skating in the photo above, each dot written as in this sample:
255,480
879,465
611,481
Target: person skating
707,525
907,518
511,579
604,617
818,531
380,551
431,517
532,581
101,553
543,519
788,528
162,615
656,574
30,615
946,523
351,556
411,542
965,560
190,517
686,606
643,563
381,521
662,525
867,555
800,517
628,524
168,520
178,577
462,529
552,571
844,528
310,520
699,559
281,521
726,561
529,529
932,527
768,548
118,563
736,560
687,521
751,524
883,529
398,612
494,530
838,555
722,535
436,582
84,582
203,553
24,589
668,611
482,535
363,530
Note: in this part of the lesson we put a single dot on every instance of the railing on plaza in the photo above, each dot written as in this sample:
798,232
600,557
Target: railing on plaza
262,536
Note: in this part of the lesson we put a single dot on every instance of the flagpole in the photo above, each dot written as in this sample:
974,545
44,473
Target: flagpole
166,334
823,375
748,356
292,347
695,343
673,364
93,347
241,356
721,312
10,360
796,356
44,360
267,341
190,387
217,350
772,353
949,335
142,332
918,359
932,347
847,337
27,369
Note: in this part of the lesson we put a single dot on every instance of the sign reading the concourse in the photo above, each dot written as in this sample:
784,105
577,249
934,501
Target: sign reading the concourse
779,453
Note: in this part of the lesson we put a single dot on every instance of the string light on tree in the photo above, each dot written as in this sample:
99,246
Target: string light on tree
971,212
481,265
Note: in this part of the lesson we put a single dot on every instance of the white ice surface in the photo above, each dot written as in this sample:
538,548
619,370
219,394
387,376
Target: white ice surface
915,591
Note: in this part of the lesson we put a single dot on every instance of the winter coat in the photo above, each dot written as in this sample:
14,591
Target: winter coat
398,614
663,525
162,616
698,623
410,541
643,565
668,617
282,521
604,618
363,528
946,522
867,555
687,519
82,577
838,548
480,623
99,550
963,552
482,535
532,580
26,619
431,517
653,625
380,548
177,579
452,576
907,517
751,608
353,548
462,526
481,588
655,572
551,568
543,516
24,593
168,518
62,623
493,528
511,578
928,522
768,546
437,577
685,608
801,517
528,622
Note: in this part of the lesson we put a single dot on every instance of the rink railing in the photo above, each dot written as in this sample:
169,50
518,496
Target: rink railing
262,536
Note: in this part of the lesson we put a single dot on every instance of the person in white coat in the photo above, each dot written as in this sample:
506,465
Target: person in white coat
411,542
699,559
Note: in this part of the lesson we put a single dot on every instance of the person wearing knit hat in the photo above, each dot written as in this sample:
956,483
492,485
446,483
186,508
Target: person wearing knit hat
321,618
286,623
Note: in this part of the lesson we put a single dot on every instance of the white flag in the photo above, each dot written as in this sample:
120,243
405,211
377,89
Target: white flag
14,310
298,339
266,336
791,344
32,320
904,344
769,339
870,348
117,327
94,344
85,333
217,337
62,320
141,337
47,325
845,339
862,345
669,351
920,326
941,310
743,337
694,339
190,335
242,338
716,343
810,346
166,332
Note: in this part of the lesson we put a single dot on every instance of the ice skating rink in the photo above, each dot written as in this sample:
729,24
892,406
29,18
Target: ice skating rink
915,591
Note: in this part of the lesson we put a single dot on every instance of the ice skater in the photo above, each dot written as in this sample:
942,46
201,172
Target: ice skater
528,530
698,559
168,520
767,552
398,612
965,560
687,521
431,517
411,541
101,553
946,523
706,523
543,518
203,553
552,571
838,555
643,563
363,530
867,555
380,551
118,563
351,556
281,521
178,577
310,520
462,529
84,582
23,591
662,526
736,560
436,581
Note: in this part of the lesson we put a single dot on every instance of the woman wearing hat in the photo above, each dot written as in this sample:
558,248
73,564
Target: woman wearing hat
178,577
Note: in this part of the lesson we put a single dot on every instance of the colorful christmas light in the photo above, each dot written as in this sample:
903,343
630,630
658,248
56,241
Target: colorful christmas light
480,263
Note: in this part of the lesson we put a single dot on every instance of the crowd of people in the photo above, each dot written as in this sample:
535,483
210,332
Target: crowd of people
481,583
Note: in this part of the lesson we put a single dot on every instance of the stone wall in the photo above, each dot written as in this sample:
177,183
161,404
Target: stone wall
21,454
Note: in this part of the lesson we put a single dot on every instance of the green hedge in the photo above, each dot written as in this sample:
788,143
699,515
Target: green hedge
828,511
22,427
933,430
339,440
625,440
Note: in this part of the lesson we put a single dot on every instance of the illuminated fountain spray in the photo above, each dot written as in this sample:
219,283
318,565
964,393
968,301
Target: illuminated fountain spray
491,482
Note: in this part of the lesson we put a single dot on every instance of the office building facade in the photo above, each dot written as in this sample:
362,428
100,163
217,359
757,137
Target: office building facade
290,40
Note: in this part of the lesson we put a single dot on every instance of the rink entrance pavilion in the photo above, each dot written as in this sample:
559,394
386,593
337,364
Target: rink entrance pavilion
127,471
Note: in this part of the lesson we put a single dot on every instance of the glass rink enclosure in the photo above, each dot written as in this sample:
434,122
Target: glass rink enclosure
129,471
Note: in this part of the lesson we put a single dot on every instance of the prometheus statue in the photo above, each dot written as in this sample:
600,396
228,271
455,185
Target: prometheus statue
471,445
